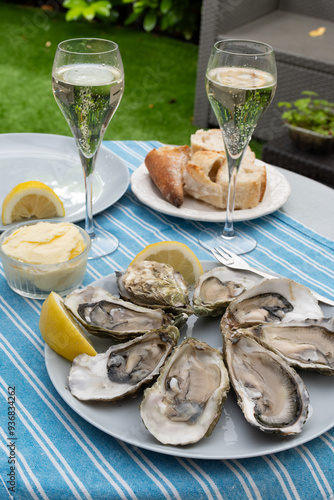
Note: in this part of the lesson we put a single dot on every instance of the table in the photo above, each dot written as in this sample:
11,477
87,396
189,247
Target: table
281,152
61,456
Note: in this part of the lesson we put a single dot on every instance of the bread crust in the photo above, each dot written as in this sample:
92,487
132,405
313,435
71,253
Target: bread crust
207,140
200,177
208,181
166,166
251,182
202,172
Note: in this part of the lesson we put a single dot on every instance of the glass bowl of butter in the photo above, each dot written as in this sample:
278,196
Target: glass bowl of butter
43,256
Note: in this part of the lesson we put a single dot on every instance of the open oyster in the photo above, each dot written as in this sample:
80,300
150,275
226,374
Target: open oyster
305,344
153,284
185,402
216,288
123,368
269,391
105,315
272,301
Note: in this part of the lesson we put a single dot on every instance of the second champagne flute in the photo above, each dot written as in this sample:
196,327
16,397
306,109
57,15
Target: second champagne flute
88,84
240,84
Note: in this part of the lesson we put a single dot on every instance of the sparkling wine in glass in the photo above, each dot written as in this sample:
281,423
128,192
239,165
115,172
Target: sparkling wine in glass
240,84
88,84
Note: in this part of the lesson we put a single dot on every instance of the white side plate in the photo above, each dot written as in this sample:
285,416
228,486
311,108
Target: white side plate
54,160
276,194
232,438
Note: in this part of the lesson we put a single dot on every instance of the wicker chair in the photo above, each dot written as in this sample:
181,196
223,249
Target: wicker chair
303,62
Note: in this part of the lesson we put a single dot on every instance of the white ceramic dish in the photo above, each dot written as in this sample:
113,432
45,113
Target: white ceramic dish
232,438
276,194
54,160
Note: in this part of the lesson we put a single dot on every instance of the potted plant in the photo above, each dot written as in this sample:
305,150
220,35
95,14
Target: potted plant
311,122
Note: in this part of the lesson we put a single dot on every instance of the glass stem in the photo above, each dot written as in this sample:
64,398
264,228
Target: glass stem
233,167
88,165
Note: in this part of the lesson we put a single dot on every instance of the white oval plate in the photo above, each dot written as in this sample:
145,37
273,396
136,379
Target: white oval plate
54,160
276,194
232,437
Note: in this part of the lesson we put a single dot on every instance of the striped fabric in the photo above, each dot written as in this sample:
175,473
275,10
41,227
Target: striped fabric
61,456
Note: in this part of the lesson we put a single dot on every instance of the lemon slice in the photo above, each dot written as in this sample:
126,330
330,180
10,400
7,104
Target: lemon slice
61,331
31,199
176,254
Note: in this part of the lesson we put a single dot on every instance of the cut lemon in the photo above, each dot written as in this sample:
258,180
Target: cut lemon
31,199
176,254
61,331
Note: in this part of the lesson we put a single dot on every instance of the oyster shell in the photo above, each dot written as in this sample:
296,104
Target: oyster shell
269,391
123,368
185,402
105,315
216,288
305,344
155,285
272,301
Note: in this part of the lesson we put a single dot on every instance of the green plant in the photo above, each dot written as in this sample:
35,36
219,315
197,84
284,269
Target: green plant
310,113
173,16
88,9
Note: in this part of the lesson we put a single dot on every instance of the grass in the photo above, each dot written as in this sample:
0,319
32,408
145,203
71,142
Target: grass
160,76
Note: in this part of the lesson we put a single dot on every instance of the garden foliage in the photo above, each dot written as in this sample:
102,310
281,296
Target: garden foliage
176,17
310,113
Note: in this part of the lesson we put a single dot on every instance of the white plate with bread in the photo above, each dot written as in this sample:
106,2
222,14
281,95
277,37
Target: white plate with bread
192,182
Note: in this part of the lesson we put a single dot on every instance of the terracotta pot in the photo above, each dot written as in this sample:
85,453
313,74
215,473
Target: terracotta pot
309,141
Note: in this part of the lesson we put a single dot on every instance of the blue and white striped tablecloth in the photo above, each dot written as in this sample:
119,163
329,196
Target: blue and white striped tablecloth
61,456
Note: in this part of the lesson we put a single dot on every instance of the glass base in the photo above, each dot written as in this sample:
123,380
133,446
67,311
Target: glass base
102,245
237,244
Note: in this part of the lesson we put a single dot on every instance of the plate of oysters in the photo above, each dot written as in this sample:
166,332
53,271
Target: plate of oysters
237,367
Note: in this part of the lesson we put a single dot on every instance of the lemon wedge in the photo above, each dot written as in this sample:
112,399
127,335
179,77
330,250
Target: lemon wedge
61,331
31,199
176,254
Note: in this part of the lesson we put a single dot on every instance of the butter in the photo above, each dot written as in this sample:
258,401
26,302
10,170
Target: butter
38,258
44,243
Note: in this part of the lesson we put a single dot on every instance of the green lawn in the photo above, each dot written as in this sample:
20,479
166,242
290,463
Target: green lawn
160,76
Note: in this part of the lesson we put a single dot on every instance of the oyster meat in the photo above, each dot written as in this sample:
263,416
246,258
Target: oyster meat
269,391
153,284
185,402
272,301
216,288
305,344
122,369
105,315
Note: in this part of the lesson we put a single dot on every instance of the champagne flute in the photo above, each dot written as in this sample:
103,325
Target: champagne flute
88,83
240,84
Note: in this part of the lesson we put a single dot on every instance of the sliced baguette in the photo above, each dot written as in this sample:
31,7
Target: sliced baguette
251,183
206,179
166,166
207,140
200,177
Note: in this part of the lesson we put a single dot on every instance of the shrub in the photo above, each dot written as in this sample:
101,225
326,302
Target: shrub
175,17
89,9
171,16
